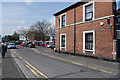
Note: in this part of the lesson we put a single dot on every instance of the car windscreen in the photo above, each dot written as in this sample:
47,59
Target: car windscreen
11,44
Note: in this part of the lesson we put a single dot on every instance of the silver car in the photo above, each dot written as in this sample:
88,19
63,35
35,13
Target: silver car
11,45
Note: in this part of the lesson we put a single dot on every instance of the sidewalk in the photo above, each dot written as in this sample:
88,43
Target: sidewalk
9,68
104,66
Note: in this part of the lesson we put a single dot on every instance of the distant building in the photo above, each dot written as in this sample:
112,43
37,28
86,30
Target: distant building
22,38
5,39
34,36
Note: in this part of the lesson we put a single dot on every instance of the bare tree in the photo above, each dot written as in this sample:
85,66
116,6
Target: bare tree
52,31
24,32
42,27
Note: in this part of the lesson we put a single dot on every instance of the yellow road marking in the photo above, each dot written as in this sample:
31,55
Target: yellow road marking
32,71
33,68
76,63
36,69
66,61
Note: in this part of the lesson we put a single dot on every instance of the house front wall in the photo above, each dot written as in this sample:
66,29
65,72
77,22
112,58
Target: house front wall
103,33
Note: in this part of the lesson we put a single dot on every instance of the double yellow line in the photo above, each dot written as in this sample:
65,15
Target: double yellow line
29,66
33,69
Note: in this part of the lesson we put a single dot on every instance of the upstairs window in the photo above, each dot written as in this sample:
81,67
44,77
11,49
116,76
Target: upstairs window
117,4
89,12
63,20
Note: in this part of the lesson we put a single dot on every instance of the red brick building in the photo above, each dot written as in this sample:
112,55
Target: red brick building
87,28
34,36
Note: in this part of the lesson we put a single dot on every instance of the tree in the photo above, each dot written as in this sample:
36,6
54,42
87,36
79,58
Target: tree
42,27
24,32
52,31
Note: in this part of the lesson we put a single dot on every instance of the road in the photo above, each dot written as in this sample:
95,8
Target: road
41,66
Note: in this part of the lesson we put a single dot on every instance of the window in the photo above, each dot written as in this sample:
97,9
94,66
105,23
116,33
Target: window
63,20
117,4
89,12
119,20
63,40
118,34
89,41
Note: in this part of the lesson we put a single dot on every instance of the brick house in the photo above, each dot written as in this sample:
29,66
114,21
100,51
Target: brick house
34,36
88,28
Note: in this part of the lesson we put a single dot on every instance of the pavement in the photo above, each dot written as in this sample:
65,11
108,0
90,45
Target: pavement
96,64
10,69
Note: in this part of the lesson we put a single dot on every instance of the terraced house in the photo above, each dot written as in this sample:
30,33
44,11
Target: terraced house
90,29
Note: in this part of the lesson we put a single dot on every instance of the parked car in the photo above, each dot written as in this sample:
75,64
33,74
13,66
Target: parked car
48,46
31,45
21,44
11,46
18,42
52,46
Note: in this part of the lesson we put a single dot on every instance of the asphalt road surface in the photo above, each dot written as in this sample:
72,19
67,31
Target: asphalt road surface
46,67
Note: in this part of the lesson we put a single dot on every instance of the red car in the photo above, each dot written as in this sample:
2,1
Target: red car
21,44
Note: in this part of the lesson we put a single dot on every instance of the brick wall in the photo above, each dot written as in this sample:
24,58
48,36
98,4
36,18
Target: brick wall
103,34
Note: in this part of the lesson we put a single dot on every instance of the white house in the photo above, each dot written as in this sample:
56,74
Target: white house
22,38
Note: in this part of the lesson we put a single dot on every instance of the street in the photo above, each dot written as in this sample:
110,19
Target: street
35,65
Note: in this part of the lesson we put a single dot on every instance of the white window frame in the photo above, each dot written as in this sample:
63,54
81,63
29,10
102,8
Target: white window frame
61,19
61,41
85,32
91,2
117,5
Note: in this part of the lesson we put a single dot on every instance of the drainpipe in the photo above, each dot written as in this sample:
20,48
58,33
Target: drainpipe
115,33
58,21
114,49
74,31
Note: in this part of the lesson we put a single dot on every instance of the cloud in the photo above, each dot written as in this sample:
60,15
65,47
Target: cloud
7,21
28,2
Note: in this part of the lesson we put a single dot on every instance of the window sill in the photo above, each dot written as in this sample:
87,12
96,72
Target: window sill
61,48
89,50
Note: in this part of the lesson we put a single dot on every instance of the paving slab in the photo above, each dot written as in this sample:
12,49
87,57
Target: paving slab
10,69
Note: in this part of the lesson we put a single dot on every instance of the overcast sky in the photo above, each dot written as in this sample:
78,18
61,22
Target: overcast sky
22,14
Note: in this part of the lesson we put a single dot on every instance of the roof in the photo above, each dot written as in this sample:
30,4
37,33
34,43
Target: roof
70,7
